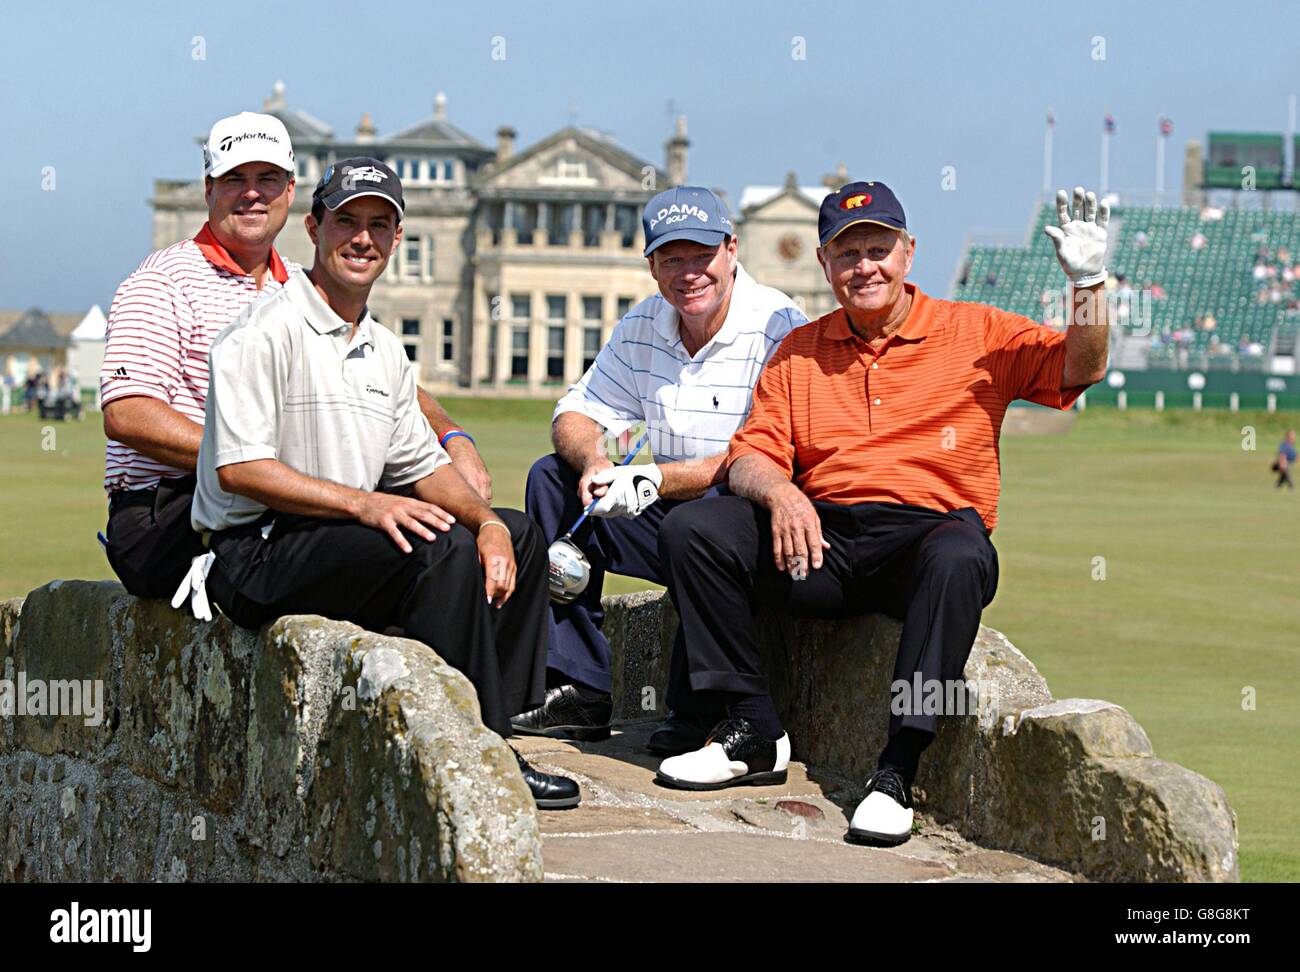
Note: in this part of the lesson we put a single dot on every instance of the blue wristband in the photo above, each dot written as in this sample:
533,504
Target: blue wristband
452,434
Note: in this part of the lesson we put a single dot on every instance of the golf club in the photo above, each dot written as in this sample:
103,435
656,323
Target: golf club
569,568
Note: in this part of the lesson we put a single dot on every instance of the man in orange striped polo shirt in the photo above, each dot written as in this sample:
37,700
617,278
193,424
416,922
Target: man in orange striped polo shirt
866,478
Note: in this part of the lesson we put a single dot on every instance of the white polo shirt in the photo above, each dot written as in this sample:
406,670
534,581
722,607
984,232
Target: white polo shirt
160,327
288,384
691,404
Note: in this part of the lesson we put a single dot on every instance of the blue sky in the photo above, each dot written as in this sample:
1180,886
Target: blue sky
110,96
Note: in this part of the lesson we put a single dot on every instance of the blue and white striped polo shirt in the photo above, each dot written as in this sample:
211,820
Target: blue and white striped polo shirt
692,405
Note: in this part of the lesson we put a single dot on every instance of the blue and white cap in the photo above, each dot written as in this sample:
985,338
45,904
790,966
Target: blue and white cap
685,213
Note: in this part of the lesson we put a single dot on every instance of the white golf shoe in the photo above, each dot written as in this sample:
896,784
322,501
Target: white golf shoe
733,755
885,816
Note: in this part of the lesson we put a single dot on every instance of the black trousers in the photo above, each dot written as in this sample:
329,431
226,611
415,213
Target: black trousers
150,541
347,571
615,545
934,570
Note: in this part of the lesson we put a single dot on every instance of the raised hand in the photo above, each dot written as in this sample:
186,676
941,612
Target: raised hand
1080,239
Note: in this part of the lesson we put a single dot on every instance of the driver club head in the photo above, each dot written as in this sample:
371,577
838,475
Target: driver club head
568,573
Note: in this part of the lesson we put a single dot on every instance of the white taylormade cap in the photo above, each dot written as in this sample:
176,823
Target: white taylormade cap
247,137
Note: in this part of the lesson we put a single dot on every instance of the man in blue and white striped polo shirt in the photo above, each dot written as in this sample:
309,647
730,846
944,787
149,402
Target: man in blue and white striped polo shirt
685,362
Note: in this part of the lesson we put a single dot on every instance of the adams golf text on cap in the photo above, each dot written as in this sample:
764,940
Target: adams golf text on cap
685,213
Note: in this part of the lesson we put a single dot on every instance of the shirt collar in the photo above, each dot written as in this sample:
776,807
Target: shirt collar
915,328
667,320
320,315
219,256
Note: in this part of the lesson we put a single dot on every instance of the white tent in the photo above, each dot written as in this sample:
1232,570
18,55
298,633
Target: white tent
87,351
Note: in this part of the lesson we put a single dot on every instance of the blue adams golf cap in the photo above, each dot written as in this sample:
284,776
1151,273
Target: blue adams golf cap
859,202
685,213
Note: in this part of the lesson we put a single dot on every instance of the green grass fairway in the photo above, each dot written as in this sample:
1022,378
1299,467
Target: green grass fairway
1200,601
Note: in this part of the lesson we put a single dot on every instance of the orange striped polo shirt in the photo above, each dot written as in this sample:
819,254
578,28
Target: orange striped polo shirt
916,423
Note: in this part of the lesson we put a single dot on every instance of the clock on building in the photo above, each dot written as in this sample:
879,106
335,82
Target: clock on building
789,247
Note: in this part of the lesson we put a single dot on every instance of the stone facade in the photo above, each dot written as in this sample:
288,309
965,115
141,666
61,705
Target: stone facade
514,267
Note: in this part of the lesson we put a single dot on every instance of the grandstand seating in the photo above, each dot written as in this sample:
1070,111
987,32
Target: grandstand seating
1218,279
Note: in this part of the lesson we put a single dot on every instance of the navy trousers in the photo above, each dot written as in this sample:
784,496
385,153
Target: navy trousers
935,570
617,545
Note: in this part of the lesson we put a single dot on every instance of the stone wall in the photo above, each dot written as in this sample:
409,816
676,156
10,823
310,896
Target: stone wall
312,750
1073,783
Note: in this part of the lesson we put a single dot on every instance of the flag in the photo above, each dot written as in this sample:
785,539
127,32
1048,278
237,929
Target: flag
1110,124
1166,126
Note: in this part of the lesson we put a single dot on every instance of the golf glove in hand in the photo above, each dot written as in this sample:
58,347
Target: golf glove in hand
632,489
194,587
1080,240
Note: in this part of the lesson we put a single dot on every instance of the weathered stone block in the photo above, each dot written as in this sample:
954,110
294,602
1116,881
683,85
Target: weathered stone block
311,750
1018,772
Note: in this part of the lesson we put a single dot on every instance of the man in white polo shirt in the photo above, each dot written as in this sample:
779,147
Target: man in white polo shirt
154,378
685,362
323,490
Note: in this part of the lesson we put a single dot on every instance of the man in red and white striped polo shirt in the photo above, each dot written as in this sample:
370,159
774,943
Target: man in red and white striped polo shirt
154,379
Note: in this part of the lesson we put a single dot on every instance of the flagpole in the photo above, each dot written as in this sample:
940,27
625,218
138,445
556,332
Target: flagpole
1047,152
1160,158
1105,160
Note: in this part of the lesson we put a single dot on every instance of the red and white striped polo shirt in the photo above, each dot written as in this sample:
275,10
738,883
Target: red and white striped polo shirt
160,327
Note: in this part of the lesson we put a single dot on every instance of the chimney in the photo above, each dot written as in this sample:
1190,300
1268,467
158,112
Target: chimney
1194,175
505,143
837,178
365,129
791,180
440,107
675,154
277,97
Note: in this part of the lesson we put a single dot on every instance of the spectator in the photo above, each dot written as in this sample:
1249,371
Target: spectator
1208,322
1285,461
992,279
1141,240
1198,240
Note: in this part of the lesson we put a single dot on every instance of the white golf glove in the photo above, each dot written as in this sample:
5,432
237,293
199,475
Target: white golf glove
1080,240
632,489
194,587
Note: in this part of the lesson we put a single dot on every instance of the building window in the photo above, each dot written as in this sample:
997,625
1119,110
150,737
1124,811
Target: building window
428,258
412,351
571,168
555,354
491,362
593,222
557,307
448,171
559,220
523,217
519,353
448,339
626,220
590,346
414,171
411,258
592,308
521,306
624,305
410,327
